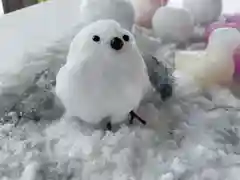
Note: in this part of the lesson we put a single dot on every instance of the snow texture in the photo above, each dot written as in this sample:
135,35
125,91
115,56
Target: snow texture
194,135
187,138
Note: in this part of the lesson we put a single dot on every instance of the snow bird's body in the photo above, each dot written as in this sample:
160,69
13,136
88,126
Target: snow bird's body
214,65
104,76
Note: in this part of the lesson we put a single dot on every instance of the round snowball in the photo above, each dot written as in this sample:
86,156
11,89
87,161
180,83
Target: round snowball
145,9
121,11
172,24
204,11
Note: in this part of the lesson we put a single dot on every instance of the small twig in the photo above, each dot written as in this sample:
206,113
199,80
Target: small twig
227,108
23,96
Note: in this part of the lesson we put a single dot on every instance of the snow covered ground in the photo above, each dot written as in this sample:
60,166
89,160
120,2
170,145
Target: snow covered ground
185,139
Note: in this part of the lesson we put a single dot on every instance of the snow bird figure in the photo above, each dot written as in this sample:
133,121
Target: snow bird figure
105,75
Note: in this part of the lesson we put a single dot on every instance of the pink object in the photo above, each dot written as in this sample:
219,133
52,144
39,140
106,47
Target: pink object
218,25
233,18
145,9
236,58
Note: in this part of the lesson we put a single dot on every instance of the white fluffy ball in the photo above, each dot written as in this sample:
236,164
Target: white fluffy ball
173,24
119,10
204,11
145,9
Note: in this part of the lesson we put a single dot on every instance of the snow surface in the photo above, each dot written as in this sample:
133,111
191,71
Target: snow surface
188,138
203,145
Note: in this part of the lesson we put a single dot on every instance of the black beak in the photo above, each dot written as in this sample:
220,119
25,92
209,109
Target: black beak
116,43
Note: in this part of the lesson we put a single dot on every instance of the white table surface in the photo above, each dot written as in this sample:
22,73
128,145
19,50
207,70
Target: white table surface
33,28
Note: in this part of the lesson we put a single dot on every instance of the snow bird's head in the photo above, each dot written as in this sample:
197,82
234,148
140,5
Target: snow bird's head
104,42
224,41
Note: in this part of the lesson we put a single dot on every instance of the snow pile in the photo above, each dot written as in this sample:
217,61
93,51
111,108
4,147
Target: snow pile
187,138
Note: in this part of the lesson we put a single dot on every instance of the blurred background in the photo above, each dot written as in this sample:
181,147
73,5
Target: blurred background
229,5
12,5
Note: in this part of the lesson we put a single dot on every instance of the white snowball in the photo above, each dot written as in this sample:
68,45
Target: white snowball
204,11
119,10
173,24
145,9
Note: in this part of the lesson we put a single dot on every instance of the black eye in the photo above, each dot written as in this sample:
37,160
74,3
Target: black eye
96,38
126,37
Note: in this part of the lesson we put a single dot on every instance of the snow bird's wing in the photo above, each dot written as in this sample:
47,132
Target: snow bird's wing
159,76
